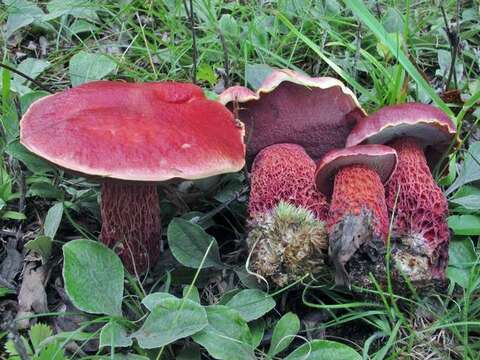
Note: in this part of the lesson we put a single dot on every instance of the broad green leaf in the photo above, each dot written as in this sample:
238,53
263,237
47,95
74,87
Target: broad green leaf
251,304
28,99
461,257
170,320
13,215
228,26
42,245
471,202
192,293
21,13
31,67
86,67
283,333
114,335
324,350
32,162
226,336
93,276
121,356
257,328
152,300
359,8
470,169
256,73
464,224
189,243
53,220
78,8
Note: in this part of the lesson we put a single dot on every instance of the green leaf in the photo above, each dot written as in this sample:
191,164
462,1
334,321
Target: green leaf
227,335
38,333
470,169
255,74
31,67
471,202
93,276
461,258
170,320
206,73
86,67
21,13
78,8
464,224
53,220
52,351
46,190
152,300
257,328
324,350
192,293
251,304
228,26
42,245
13,215
284,333
114,335
32,162
5,291
189,243
363,13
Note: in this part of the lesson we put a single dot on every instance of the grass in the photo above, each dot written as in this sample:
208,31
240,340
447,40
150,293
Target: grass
386,51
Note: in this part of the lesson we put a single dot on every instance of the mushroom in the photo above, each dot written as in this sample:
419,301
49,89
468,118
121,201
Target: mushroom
287,236
416,132
357,221
290,107
133,136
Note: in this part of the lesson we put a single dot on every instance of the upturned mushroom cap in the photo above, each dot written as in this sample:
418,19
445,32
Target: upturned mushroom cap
381,158
133,131
290,107
430,125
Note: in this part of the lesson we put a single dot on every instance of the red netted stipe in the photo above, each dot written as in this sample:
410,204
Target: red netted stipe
131,223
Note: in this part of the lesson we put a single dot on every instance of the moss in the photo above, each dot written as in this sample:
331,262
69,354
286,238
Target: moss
287,243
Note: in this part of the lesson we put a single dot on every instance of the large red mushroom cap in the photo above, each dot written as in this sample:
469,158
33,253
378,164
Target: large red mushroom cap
138,132
290,107
426,123
381,158
133,135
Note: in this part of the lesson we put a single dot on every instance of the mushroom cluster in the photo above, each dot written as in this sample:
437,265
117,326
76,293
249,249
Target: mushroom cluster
370,169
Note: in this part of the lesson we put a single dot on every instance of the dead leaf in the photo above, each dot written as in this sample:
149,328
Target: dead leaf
32,298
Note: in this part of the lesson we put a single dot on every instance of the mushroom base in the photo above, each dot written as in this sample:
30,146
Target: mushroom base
286,244
131,223
358,217
420,215
409,268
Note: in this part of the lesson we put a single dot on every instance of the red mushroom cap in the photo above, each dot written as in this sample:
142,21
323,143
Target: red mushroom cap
424,122
381,158
139,132
290,107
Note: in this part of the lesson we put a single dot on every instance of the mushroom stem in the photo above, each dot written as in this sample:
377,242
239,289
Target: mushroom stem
358,216
287,236
131,223
421,211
